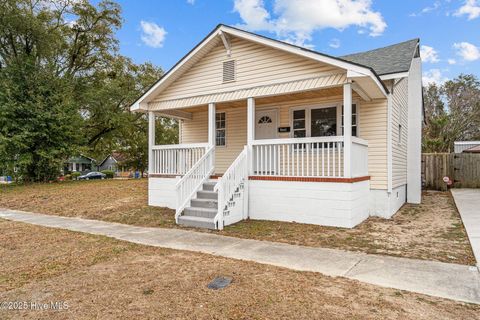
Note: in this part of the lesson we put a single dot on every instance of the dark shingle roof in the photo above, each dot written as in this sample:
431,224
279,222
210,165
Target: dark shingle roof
392,59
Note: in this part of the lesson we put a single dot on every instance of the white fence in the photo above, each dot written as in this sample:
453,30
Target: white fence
176,158
301,157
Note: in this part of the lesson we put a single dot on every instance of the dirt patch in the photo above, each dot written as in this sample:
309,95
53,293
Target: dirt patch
432,230
145,282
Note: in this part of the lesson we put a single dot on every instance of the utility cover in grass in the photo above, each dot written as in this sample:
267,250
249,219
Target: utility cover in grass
220,283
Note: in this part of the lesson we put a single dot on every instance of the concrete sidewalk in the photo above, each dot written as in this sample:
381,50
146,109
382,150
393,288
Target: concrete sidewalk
452,281
468,204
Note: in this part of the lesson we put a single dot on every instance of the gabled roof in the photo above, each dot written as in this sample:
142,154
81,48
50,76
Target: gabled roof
395,58
81,159
212,39
116,156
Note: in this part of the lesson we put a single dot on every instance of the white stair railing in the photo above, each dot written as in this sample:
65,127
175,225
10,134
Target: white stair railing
191,182
231,187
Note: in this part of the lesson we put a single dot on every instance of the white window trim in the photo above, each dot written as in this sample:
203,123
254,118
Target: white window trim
308,117
225,145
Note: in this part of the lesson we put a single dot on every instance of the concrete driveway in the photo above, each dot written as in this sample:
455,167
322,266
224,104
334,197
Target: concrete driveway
468,204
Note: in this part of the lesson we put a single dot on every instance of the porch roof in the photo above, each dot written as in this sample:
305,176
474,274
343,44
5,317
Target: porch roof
260,91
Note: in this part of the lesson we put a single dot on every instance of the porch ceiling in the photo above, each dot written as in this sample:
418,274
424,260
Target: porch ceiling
259,92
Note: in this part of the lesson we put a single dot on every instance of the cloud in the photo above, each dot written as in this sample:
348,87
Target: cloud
427,9
334,43
191,2
452,61
429,54
433,76
296,20
467,51
152,34
471,8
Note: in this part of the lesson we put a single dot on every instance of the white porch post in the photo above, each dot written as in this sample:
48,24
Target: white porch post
250,132
211,129
211,124
151,141
347,130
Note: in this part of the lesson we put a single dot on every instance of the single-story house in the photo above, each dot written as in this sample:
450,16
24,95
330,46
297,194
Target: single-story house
116,163
81,163
461,146
273,131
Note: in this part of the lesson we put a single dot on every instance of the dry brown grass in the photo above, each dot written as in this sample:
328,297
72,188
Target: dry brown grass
103,278
431,231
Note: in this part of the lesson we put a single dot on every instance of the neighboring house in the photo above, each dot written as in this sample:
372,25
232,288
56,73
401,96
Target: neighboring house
272,131
475,149
116,163
461,146
81,163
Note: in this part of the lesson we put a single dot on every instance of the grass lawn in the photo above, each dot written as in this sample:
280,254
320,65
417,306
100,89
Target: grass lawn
103,278
432,230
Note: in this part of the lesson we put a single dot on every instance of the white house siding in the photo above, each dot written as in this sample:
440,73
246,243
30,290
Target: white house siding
399,148
373,128
324,203
256,65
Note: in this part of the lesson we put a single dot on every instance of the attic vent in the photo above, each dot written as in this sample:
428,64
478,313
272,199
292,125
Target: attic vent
229,71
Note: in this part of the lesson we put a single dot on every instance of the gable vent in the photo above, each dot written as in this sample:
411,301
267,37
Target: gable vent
229,71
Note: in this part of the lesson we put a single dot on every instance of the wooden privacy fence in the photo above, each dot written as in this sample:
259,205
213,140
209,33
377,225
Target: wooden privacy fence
463,169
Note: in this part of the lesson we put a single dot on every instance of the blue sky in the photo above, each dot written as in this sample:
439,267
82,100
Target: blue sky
163,31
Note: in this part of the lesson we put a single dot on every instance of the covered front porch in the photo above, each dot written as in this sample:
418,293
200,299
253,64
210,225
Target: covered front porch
311,140
266,144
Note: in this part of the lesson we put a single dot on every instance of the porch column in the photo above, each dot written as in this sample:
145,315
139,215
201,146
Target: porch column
151,141
211,124
347,130
250,132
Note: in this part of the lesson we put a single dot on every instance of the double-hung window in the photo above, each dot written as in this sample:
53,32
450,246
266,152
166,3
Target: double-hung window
299,123
220,129
354,120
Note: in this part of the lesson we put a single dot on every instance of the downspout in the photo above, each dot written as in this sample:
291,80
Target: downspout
389,140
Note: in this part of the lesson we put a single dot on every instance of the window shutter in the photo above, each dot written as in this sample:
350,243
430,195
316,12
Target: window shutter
229,71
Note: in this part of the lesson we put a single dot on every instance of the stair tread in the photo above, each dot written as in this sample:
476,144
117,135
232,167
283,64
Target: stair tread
194,218
206,200
202,209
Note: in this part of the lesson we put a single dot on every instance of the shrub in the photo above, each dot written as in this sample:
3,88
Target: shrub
75,175
108,173
67,177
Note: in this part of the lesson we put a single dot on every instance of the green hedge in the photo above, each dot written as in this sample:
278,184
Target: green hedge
75,175
108,173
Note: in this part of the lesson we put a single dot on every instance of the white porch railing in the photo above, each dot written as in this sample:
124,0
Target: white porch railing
301,157
191,182
360,157
176,158
232,192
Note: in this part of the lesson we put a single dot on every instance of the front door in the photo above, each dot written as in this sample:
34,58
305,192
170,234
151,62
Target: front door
266,124
266,128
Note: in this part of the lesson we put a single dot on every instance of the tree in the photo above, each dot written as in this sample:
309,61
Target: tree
452,113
